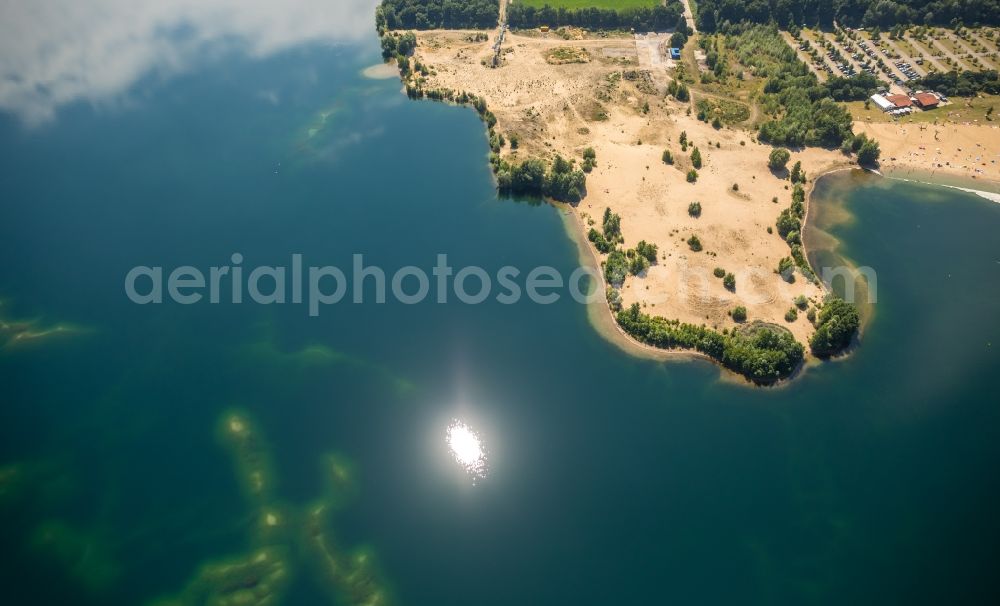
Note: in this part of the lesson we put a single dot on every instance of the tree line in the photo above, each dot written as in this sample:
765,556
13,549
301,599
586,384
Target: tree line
716,14
438,14
855,88
562,181
656,18
962,84
762,353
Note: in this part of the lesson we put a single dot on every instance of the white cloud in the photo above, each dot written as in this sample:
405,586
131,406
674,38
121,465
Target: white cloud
54,52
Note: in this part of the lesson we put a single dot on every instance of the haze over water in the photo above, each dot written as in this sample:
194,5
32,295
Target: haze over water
610,479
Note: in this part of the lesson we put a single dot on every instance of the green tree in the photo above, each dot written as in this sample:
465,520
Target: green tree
614,298
836,325
528,177
798,176
869,153
600,242
786,269
616,268
778,159
787,223
407,43
696,158
589,159
647,251
740,314
389,46
694,209
612,224
638,264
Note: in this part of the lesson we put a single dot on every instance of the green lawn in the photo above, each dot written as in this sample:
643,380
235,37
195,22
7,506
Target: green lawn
616,4
961,110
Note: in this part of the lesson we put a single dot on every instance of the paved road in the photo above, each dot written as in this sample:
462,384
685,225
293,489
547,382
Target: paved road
501,33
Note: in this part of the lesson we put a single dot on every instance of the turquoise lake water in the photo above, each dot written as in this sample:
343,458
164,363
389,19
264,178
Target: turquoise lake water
612,480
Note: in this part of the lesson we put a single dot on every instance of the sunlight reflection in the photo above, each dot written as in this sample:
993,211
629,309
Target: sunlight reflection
467,448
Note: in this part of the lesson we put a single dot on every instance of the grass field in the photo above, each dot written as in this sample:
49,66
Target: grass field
616,4
729,112
962,110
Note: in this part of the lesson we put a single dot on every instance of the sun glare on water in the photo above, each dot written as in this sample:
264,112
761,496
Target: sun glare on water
467,448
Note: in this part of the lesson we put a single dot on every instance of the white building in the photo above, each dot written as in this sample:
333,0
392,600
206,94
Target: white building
883,103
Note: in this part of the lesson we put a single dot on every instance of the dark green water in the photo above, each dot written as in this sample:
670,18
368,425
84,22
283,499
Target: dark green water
612,480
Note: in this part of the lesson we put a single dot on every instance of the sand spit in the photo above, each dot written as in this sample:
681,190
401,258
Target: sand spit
609,104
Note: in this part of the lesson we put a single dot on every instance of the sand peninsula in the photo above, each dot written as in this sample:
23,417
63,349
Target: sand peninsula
608,102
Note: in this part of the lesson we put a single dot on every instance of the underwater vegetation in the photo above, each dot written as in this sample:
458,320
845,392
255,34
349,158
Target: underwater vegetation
284,537
15,333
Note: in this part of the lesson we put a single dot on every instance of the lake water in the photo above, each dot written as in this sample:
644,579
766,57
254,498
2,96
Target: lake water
610,479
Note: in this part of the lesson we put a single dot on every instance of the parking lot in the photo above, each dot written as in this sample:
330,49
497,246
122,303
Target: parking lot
835,54
899,62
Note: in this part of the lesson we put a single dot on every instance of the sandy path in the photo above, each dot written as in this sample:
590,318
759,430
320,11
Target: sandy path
689,16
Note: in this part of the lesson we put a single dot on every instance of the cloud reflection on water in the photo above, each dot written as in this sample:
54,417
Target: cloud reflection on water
54,52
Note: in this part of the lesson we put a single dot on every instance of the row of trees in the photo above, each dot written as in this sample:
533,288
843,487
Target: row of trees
962,84
714,14
762,353
856,88
656,18
438,14
563,181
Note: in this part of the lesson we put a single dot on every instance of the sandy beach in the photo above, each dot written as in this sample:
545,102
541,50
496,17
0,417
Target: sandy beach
971,151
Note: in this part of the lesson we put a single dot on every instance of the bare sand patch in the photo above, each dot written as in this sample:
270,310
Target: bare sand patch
609,104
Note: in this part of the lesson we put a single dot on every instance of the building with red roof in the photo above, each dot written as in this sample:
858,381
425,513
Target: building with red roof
926,100
900,101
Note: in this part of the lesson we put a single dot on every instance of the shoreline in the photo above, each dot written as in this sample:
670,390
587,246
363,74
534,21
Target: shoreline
602,319
940,150
950,181
599,312
651,196
594,108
